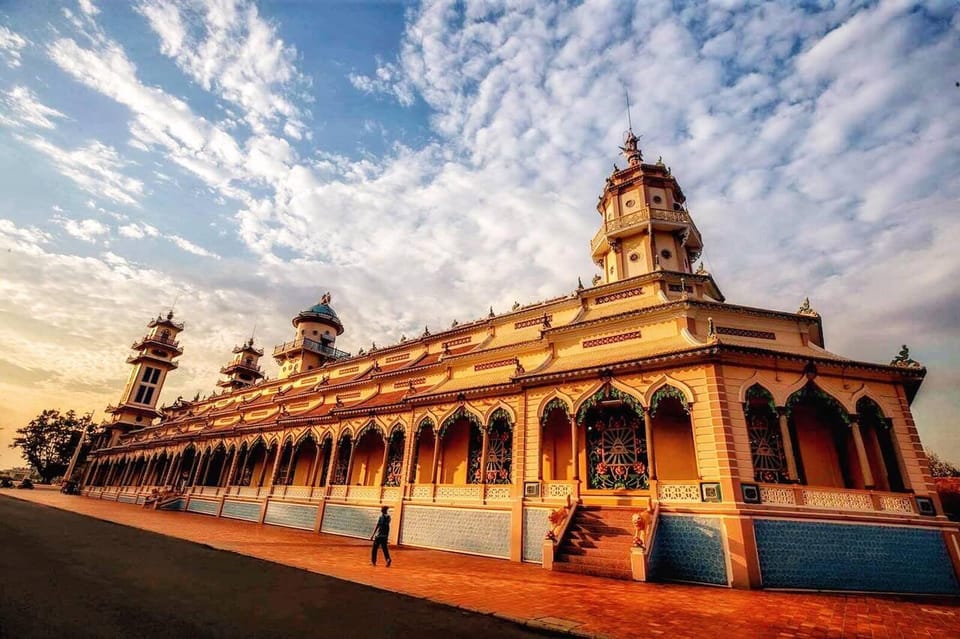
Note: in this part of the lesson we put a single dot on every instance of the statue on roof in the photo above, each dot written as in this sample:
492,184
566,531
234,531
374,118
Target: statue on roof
903,359
630,148
325,299
806,309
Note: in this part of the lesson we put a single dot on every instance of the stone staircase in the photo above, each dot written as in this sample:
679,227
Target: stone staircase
597,543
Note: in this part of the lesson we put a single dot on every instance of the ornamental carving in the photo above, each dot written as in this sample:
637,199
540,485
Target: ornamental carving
613,297
611,339
903,359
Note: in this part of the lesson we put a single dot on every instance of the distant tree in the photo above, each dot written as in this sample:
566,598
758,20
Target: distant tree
942,468
48,441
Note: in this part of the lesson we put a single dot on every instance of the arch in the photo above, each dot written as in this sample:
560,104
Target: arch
500,408
617,390
366,464
879,443
767,448
498,465
342,463
671,427
457,413
371,426
324,453
397,426
825,450
424,447
555,403
393,473
667,387
747,384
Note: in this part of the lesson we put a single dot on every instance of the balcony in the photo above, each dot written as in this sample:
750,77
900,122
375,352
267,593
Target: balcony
240,366
157,340
629,222
313,346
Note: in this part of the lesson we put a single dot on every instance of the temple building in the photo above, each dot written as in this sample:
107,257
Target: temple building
639,428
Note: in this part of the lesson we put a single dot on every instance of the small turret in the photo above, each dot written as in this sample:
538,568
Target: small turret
245,369
317,331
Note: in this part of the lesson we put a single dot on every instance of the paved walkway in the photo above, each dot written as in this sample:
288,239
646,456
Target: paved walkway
527,594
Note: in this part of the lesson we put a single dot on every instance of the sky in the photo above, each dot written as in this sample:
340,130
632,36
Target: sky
424,162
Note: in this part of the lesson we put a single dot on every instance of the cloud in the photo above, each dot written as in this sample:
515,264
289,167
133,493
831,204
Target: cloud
10,45
388,78
24,109
190,247
88,230
88,8
226,47
95,168
137,231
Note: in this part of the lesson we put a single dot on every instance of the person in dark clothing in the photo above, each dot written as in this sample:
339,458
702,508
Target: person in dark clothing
379,537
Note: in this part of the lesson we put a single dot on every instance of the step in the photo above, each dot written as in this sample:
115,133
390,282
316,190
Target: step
602,529
594,572
605,551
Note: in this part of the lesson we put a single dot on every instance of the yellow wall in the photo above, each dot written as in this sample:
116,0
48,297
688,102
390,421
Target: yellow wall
557,451
367,461
673,448
425,458
455,445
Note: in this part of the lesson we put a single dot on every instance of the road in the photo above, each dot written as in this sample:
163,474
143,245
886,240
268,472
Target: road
64,575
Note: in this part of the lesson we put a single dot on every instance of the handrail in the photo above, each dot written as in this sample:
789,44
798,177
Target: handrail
558,530
313,346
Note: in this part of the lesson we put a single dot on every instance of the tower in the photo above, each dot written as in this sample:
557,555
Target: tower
317,331
245,369
155,356
645,226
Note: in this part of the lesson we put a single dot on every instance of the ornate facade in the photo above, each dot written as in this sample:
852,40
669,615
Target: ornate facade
756,456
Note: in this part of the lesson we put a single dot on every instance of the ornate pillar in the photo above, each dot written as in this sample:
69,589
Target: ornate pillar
575,446
484,450
861,452
386,460
197,459
332,462
263,471
648,434
315,467
788,453
437,443
225,481
146,472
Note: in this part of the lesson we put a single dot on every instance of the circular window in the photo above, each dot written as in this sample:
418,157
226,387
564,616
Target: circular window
666,254
634,257
630,203
676,207
657,199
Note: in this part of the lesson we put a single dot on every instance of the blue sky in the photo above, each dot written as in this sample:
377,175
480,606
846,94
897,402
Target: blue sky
426,161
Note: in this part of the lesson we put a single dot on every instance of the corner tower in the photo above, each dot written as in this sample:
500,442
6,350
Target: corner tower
317,331
245,369
645,226
156,352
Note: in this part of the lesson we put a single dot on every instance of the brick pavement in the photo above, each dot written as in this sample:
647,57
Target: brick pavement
582,605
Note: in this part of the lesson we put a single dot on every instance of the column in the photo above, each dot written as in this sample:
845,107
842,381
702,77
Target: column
386,459
263,471
788,453
648,434
315,468
574,444
484,449
197,460
332,462
861,453
226,479
437,443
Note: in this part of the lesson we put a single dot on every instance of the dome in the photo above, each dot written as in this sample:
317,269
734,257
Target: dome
321,313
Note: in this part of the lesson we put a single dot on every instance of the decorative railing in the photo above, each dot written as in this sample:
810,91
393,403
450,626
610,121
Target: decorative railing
248,491
421,492
157,339
636,218
497,492
313,346
557,490
391,493
364,493
447,492
297,492
835,499
678,491
338,492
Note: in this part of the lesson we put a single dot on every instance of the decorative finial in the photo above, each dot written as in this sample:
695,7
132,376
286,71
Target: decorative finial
615,167
373,346
403,338
630,149
711,329
579,283
546,321
806,309
596,279
361,352
491,313
700,269
454,324
683,288
426,331
660,161
325,299
170,314
903,360
519,370
516,305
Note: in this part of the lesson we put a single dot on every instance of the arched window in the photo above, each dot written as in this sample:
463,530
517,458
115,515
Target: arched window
763,431
366,468
616,441
421,467
673,443
825,450
556,443
499,462
461,446
394,471
343,460
326,449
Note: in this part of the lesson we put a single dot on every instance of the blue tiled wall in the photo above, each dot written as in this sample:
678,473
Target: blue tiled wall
351,521
248,510
291,515
832,556
689,549
535,527
203,506
480,532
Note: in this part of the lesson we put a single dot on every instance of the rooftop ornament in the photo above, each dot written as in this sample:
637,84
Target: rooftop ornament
903,359
806,309
491,313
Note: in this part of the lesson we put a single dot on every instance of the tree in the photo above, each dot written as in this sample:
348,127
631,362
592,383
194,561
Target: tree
942,468
49,440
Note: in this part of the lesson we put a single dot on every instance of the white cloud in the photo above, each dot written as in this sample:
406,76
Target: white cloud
24,109
387,78
87,7
95,168
88,230
138,230
10,45
190,247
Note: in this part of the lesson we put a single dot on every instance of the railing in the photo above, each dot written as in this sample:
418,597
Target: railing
557,490
497,492
225,370
391,493
313,346
457,492
836,499
158,339
364,493
678,491
338,492
421,492
636,218
560,520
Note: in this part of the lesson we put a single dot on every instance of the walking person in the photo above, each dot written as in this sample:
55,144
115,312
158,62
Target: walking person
380,534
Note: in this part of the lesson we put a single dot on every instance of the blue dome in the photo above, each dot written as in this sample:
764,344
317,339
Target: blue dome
320,313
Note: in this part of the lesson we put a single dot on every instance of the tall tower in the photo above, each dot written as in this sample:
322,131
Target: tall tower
645,226
317,331
154,359
245,369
